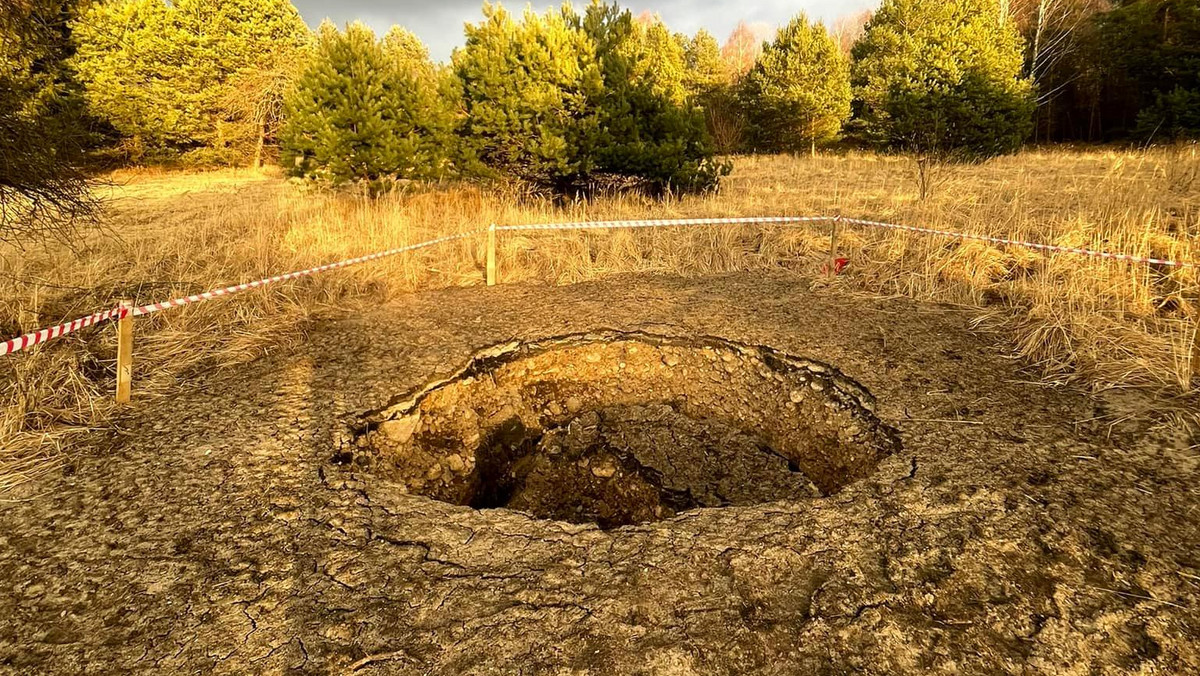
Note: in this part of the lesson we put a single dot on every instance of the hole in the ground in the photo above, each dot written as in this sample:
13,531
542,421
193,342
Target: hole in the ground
622,428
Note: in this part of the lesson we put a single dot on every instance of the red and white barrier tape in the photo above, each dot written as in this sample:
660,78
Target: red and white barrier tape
217,293
30,339
664,222
785,220
1029,245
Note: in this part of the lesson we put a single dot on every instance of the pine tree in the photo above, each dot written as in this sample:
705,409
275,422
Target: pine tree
706,71
362,113
710,83
650,130
429,92
942,78
120,47
656,58
161,74
798,93
410,55
43,190
1154,45
526,92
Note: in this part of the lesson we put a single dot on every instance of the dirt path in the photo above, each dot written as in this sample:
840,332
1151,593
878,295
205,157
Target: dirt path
217,531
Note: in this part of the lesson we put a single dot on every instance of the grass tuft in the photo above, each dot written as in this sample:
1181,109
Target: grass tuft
1103,323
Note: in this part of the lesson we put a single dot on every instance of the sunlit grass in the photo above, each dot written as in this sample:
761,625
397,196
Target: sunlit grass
168,233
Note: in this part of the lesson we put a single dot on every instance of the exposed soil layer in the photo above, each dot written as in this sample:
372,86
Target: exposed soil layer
1021,529
619,428
627,465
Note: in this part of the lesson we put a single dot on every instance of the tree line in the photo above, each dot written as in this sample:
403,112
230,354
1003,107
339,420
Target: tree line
569,98
1107,70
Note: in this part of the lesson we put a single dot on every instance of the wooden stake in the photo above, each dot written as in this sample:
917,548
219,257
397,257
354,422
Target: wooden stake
491,256
125,354
833,249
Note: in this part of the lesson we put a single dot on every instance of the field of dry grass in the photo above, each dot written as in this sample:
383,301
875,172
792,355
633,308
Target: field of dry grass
1106,324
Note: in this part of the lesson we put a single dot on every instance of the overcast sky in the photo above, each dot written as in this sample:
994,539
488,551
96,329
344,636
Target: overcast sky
440,22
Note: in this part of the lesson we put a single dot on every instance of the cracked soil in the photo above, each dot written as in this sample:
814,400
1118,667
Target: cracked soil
1017,530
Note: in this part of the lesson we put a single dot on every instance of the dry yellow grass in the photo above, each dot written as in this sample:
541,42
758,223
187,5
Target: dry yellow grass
169,234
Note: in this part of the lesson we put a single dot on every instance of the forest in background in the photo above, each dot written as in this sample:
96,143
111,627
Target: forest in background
570,101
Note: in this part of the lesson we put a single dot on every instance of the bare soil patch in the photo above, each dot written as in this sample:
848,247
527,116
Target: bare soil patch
619,428
625,465
242,528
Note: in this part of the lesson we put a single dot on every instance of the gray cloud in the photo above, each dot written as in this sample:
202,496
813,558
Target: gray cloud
440,22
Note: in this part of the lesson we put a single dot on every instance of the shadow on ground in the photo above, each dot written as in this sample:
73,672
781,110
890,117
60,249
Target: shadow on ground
218,532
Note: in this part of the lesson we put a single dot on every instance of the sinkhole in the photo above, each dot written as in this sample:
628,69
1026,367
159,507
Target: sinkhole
619,428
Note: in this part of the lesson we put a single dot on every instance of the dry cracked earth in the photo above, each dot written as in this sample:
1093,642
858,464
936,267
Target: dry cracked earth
1016,530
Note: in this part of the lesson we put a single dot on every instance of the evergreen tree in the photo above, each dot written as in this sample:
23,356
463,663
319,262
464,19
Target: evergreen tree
118,60
43,191
649,129
656,59
705,70
1154,46
798,93
942,78
410,55
559,99
160,73
710,83
526,91
433,92
436,90
363,112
